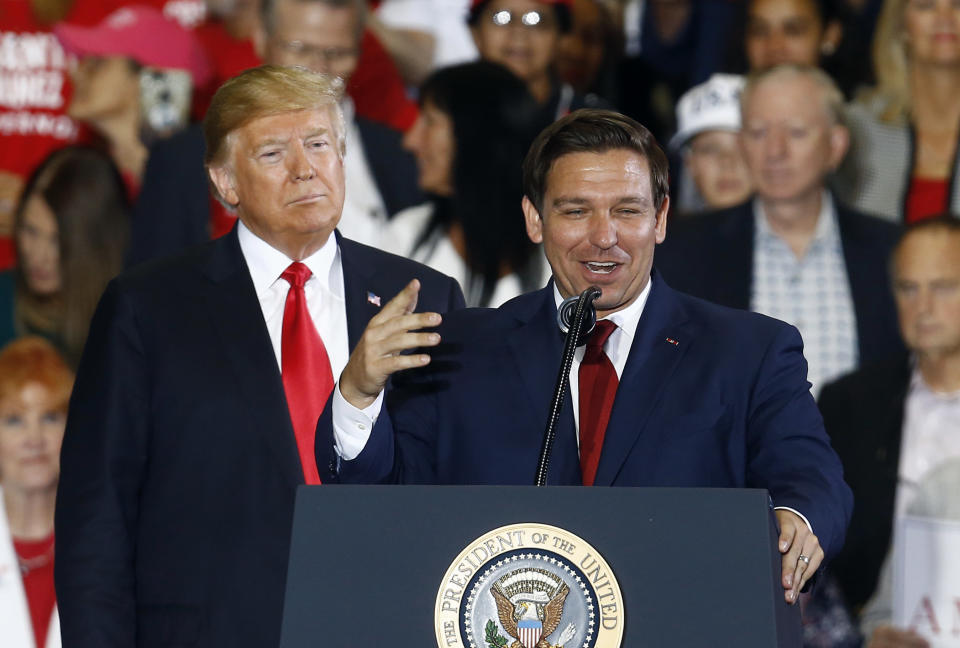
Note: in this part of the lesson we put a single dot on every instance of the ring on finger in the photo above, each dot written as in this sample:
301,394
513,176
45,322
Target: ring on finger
805,559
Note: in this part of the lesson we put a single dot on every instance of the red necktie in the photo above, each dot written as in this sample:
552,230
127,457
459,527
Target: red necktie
598,388
305,367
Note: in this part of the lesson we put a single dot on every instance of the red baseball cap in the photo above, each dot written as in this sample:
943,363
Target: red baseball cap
143,34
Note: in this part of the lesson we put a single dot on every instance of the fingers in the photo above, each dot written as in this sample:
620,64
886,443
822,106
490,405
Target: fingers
403,303
804,570
802,554
380,351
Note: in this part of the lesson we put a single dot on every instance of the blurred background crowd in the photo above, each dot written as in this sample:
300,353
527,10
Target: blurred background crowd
814,171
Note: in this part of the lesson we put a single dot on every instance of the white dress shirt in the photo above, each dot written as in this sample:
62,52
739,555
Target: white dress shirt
617,346
325,299
931,422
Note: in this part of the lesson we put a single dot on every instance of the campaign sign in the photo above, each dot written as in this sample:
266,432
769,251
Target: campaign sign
926,579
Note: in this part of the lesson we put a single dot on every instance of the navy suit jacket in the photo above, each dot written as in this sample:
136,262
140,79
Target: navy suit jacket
711,256
173,209
728,405
179,463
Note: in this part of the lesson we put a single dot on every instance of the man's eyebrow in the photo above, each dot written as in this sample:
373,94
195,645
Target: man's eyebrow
568,201
320,130
270,141
563,201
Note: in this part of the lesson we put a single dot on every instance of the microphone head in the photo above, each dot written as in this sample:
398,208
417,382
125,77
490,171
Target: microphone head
567,311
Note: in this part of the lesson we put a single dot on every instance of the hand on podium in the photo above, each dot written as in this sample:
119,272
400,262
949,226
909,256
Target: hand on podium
801,551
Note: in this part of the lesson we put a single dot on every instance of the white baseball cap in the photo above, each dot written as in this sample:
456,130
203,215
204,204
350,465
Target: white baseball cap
712,105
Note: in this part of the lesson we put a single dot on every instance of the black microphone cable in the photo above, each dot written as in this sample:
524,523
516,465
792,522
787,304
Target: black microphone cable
570,318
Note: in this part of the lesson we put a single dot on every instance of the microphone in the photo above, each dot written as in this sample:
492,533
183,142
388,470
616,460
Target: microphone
567,311
576,318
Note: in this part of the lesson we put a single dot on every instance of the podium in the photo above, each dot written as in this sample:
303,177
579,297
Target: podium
373,566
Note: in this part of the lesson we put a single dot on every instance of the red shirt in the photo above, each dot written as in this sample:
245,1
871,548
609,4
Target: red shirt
925,198
376,88
38,583
228,56
34,85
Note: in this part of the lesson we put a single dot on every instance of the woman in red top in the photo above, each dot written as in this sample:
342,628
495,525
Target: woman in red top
35,386
903,162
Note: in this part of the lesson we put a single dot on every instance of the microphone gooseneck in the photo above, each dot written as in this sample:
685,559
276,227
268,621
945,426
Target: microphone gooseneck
573,324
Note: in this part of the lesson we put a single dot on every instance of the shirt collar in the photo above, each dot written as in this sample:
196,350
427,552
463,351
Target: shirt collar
919,386
826,229
266,263
626,319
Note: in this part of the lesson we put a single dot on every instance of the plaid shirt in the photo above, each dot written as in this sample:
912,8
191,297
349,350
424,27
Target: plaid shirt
812,293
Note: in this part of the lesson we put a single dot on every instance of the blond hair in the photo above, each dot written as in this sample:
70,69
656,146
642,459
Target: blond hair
265,91
891,63
830,94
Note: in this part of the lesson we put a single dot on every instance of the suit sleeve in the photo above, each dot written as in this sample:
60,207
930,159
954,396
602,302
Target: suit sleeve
379,460
102,465
789,452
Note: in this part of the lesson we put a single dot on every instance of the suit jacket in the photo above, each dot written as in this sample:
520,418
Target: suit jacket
711,256
179,463
173,209
863,414
728,405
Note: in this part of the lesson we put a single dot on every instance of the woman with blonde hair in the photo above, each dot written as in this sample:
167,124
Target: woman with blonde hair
35,385
903,162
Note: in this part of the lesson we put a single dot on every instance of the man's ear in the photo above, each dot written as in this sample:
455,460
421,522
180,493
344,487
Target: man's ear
661,226
839,144
222,179
532,218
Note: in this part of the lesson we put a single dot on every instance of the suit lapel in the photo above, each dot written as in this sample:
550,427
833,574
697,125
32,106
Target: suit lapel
235,311
652,361
360,292
536,346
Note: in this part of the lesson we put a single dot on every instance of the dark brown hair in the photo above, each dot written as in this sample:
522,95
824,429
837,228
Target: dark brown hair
86,194
592,131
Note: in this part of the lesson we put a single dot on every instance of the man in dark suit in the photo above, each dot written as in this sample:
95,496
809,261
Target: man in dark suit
895,421
680,393
793,252
174,209
196,401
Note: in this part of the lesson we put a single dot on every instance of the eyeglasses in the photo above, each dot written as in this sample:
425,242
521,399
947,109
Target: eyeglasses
329,55
534,19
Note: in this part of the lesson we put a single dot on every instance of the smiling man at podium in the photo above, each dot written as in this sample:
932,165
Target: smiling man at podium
669,390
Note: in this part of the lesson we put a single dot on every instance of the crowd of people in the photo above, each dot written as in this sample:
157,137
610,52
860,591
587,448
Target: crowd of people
810,174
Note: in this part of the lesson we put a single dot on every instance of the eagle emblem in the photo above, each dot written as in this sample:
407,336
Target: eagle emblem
529,607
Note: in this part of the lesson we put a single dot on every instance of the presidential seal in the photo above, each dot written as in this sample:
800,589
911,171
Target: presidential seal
529,586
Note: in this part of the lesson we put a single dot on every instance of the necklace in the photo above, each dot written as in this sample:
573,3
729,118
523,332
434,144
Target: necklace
35,562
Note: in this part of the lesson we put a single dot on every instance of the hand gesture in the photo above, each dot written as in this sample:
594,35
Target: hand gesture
378,354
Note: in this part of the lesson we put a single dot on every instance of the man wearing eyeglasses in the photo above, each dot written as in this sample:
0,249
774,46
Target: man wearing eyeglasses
523,35
175,210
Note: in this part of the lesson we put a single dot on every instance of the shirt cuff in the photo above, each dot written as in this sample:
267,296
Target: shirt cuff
775,508
352,426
